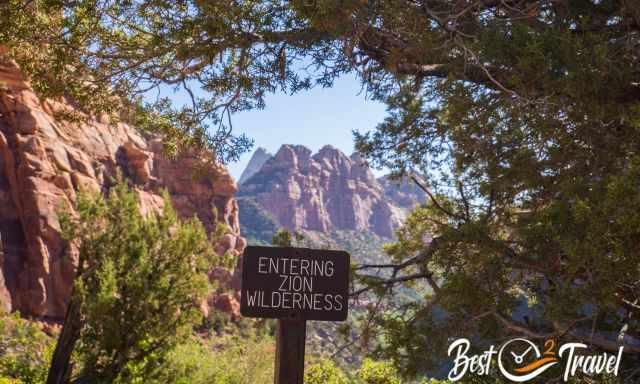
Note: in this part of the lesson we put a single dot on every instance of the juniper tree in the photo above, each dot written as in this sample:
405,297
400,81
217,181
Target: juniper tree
137,294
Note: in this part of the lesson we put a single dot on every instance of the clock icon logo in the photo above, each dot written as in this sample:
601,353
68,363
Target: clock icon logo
520,360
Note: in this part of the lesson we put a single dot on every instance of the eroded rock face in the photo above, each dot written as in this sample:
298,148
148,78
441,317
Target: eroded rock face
322,192
45,160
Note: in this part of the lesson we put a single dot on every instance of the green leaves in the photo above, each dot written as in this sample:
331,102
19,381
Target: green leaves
370,372
325,372
141,281
25,351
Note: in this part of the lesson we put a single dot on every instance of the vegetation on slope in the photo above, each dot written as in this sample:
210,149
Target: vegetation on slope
257,225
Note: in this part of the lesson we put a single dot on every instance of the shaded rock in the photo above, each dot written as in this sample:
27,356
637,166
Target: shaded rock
225,302
137,162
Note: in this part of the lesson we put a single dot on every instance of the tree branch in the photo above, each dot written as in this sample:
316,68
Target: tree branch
434,201
394,280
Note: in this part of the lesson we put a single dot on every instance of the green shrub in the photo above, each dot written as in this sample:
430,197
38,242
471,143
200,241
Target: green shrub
378,372
140,281
25,351
230,360
325,372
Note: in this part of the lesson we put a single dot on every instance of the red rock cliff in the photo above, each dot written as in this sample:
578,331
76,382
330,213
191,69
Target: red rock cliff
322,192
43,162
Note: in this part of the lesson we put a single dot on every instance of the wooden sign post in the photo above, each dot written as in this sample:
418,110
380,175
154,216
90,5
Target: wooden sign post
294,285
290,339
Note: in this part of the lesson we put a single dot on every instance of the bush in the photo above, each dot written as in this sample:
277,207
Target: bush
140,282
325,372
25,351
378,372
231,360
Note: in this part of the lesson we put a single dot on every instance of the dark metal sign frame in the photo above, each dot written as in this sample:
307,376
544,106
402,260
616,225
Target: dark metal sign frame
295,283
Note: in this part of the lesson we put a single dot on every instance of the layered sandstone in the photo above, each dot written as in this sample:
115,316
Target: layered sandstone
45,160
322,192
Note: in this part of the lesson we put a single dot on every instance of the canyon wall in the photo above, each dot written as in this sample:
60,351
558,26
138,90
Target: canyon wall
45,160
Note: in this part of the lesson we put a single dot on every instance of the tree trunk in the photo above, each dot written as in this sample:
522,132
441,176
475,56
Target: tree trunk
60,369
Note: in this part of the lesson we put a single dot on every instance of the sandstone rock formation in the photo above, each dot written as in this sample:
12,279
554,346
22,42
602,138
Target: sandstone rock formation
259,157
322,192
44,160
403,192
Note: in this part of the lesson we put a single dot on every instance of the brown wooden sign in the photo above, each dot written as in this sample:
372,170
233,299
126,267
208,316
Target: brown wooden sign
296,283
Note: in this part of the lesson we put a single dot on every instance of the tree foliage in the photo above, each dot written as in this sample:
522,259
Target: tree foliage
325,371
370,372
25,351
140,282
227,360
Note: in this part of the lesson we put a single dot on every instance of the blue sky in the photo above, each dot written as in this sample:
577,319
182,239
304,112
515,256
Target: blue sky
312,118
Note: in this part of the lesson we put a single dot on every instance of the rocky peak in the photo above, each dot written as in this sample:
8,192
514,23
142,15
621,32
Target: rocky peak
322,192
331,154
334,159
259,157
289,157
